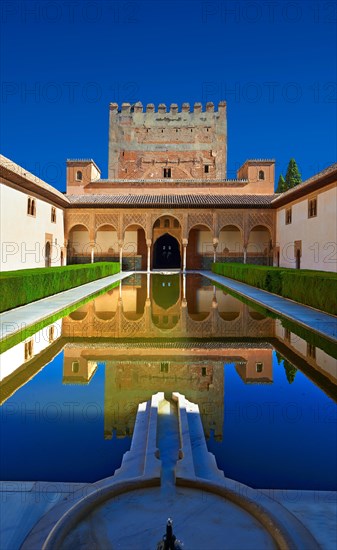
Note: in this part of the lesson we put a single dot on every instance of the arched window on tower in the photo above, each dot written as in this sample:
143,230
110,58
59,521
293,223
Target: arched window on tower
261,175
79,175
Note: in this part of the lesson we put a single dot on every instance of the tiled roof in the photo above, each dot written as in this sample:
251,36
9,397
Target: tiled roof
173,201
26,180
306,186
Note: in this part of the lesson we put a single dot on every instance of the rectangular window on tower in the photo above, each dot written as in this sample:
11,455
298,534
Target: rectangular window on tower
206,168
167,172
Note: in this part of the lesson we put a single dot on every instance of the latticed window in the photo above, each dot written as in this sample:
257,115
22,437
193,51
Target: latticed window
312,207
51,334
311,351
288,216
28,350
261,175
53,215
31,209
167,172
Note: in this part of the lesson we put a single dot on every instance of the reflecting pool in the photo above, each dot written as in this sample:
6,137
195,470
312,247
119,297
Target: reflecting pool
267,396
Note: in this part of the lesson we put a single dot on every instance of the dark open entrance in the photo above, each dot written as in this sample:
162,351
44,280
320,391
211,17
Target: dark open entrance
166,253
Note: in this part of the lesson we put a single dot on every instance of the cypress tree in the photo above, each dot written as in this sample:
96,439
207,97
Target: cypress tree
281,185
293,176
290,371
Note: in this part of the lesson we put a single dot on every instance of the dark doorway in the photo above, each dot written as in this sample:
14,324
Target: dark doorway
298,259
166,253
165,290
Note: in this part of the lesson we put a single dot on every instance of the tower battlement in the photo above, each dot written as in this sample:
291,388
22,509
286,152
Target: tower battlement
173,109
167,142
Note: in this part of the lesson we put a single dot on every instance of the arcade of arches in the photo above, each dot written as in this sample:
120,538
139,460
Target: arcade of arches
179,239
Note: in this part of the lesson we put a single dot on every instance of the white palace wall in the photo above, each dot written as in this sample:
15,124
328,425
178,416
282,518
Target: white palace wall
317,235
24,236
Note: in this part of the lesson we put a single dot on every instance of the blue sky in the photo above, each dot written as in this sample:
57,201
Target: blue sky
63,62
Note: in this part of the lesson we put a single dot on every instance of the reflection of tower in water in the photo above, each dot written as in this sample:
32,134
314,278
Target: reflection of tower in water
132,380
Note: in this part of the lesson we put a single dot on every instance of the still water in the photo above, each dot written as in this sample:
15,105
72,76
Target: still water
69,396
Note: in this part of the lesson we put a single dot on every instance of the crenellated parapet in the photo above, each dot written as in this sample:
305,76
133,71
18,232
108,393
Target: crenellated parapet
173,109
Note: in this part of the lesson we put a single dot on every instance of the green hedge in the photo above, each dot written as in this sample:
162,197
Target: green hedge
27,285
313,288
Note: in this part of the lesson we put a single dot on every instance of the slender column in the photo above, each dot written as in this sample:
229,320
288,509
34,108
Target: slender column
148,242
245,254
215,246
120,244
148,285
92,253
184,287
185,243
215,314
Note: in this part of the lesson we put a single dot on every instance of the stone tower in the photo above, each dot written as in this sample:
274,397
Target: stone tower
167,144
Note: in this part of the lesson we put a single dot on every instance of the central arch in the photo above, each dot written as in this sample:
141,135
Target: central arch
166,252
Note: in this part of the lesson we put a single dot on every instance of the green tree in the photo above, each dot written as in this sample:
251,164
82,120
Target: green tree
281,186
293,176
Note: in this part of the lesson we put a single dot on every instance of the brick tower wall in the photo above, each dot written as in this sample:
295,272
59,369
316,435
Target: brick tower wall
170,143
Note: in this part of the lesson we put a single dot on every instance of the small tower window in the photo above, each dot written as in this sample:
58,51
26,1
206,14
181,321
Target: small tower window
167,172
259,367
79,175
53,215
206,168
75,367
164,366
261,175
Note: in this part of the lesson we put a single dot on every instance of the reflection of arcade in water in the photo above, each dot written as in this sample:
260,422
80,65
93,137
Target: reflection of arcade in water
176,309
176,340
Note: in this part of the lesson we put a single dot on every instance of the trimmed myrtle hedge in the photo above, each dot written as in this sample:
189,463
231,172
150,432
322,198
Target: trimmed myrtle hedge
317,289
27,285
